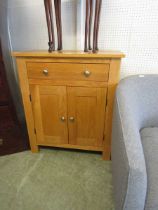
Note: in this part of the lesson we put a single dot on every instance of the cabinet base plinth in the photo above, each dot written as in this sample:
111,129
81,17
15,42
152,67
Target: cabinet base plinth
70,146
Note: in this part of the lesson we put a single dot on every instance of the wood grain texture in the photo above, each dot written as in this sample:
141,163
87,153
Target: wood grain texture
72,146
22,72
75,60
49,105
87,107
68,83
67,92
70,54
69,71
112,84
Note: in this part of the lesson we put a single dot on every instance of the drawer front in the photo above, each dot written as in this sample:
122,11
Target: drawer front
68,71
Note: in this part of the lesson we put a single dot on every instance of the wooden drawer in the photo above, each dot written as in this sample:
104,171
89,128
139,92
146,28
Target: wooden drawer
68,71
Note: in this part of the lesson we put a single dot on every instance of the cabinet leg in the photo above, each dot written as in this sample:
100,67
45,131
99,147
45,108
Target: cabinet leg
34,148
106,155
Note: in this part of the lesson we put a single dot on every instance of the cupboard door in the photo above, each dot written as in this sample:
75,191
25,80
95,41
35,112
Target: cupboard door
86,113
50,114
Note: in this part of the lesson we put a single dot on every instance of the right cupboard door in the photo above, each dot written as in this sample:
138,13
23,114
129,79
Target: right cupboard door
86,113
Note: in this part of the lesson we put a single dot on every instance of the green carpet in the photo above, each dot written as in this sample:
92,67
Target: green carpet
55,180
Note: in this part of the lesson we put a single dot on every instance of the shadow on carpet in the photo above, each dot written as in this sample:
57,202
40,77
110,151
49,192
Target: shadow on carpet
55,180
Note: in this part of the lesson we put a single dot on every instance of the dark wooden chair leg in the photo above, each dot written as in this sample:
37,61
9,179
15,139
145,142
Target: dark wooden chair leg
49,18
57,21
95,26
86,26
90,24
60,25
52,44
97,32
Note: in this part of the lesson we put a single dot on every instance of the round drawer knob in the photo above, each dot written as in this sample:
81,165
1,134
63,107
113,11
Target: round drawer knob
87,73
63,119
45,72
72,119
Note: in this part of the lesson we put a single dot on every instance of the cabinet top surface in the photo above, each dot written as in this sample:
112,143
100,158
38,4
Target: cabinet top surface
69,54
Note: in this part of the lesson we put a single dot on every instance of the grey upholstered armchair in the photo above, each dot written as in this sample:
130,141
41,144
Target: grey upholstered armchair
135,144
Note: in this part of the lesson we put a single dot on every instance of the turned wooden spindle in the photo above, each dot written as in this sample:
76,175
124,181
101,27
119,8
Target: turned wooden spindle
97,23
49,18
88,25
60,23
57,4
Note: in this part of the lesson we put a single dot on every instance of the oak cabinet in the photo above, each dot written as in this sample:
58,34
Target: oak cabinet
68,98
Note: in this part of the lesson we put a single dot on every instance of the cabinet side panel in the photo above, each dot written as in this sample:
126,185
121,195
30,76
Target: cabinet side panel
24,86
114,76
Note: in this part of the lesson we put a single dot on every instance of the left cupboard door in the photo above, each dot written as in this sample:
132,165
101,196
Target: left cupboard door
49,105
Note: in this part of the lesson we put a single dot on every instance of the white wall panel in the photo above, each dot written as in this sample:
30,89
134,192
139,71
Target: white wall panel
28,24
127,25
132,27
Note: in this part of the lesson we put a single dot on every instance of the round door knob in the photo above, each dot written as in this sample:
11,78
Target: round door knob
72,119
45,72
87,73
62,119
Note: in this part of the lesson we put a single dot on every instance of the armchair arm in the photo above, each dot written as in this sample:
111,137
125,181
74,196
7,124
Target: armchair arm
128,163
